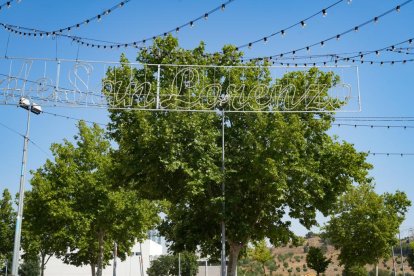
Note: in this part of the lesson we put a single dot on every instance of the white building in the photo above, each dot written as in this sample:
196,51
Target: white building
134,265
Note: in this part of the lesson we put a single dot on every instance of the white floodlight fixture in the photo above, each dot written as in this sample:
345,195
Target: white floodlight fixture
24,103
36,109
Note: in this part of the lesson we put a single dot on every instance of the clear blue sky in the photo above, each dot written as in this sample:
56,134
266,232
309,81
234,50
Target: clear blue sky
386,90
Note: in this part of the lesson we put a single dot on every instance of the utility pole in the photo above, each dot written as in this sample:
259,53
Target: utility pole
393,261
115,256
402,260
223,194
31,108
179,264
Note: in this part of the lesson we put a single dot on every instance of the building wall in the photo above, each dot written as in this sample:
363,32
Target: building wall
134,265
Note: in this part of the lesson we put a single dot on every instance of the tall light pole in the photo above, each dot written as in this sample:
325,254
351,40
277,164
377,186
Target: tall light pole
36,109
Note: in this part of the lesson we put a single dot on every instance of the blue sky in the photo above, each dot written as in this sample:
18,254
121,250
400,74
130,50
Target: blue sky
387,91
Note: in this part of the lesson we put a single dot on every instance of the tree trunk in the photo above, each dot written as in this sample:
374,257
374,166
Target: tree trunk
42,265
376,269
233,258
93,269
100,253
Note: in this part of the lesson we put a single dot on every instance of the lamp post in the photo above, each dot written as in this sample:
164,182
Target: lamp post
36,109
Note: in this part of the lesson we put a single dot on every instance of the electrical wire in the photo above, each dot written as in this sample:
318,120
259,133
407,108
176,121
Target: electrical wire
23,136
369,152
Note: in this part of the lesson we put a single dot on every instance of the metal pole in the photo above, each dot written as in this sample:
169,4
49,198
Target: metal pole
179,264
142,259
7,264
115,256
205,272
393,261
158,86
223,193
401,251
18,231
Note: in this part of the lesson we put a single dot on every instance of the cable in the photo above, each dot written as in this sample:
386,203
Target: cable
376,119
301,23
108,44
337,37
23,136
35,32
369,152
72,118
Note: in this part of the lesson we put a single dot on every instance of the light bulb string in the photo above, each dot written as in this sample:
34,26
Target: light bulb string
338,36
104,43
8,3
301,22
33,31
348,55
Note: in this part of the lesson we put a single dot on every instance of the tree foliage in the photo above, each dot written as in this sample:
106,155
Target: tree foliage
7,223
366,225
316,260
276,164
167,265
261,254
410,255
74,203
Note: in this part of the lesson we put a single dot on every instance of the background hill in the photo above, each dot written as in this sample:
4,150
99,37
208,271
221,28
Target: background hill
291,260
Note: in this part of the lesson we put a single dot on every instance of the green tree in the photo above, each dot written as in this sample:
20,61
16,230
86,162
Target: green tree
366,225
7,223
355,270
74,197
261,254
316,260
30,266
410,255
42,235
277,164
167,265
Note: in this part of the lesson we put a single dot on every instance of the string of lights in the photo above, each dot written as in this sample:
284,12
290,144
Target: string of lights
36,32
350,55
301,23
390,154
334,37
89,42
327,62
374,126
8,4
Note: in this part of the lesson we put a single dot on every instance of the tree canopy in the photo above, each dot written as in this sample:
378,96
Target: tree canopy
74,202
316,260
366,225
167,265
7,223
276,164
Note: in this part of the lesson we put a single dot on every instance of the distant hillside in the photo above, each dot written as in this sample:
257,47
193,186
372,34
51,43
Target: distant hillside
292,260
